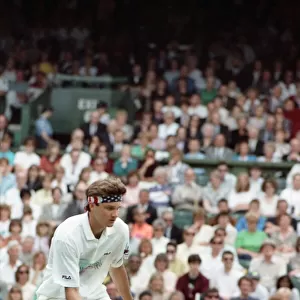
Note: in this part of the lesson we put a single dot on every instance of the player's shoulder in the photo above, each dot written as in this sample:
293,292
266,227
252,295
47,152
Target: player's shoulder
71,227
120,226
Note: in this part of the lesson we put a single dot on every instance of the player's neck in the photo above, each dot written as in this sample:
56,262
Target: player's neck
96,228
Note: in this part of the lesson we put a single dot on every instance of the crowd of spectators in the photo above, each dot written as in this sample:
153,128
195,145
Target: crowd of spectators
241,236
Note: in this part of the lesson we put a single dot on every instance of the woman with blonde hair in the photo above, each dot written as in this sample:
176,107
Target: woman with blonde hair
85,175
15,293
249,241
38,267
156,287
242,195
176,296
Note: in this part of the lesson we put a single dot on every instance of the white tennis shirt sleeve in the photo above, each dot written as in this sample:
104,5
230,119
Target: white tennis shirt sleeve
65,264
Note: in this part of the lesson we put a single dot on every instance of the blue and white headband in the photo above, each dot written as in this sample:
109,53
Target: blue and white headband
104,199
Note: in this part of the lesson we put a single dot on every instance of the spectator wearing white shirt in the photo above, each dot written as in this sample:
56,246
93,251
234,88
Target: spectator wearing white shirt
88,69
212,261
4,220
159,241
188,247
8,269
226,278
242,195
258,290
59,180
169,127
160,193
256,179
44,195
188,195
292,195
196,108
27,157
53,212
98,172
268,198
171,107
22,279
203,231
74,162
223,221
13,196
288,87
28,223
26,255
294,170
268,266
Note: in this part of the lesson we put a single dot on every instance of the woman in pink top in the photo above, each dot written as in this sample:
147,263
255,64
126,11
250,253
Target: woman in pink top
132,190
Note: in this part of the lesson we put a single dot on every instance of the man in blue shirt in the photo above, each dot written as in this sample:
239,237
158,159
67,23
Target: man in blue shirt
43,128
7,179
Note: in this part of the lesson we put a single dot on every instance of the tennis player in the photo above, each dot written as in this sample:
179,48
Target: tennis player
86,247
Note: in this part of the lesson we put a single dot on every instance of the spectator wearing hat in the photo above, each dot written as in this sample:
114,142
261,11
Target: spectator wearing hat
43,128
258,290
9,268
193,282
268,266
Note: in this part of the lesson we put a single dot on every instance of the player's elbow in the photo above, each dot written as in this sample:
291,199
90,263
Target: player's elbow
72,293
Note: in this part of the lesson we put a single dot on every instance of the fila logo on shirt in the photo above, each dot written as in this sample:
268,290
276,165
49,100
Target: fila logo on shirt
67,277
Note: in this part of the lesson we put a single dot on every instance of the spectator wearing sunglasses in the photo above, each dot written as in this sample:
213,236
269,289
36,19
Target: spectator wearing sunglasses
22,278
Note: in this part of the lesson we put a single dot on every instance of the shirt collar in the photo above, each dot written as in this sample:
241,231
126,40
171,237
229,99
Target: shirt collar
88,231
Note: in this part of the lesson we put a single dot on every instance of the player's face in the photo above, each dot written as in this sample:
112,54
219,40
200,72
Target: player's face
106,213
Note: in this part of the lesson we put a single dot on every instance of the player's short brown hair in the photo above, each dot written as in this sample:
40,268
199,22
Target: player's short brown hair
109,186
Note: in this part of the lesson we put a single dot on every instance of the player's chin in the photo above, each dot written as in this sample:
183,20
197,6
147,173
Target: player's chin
110,223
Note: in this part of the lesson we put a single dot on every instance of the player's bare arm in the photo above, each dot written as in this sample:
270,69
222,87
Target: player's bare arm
72,293
119,277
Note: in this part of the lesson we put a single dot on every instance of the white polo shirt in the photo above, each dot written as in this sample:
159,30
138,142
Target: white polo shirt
78,259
